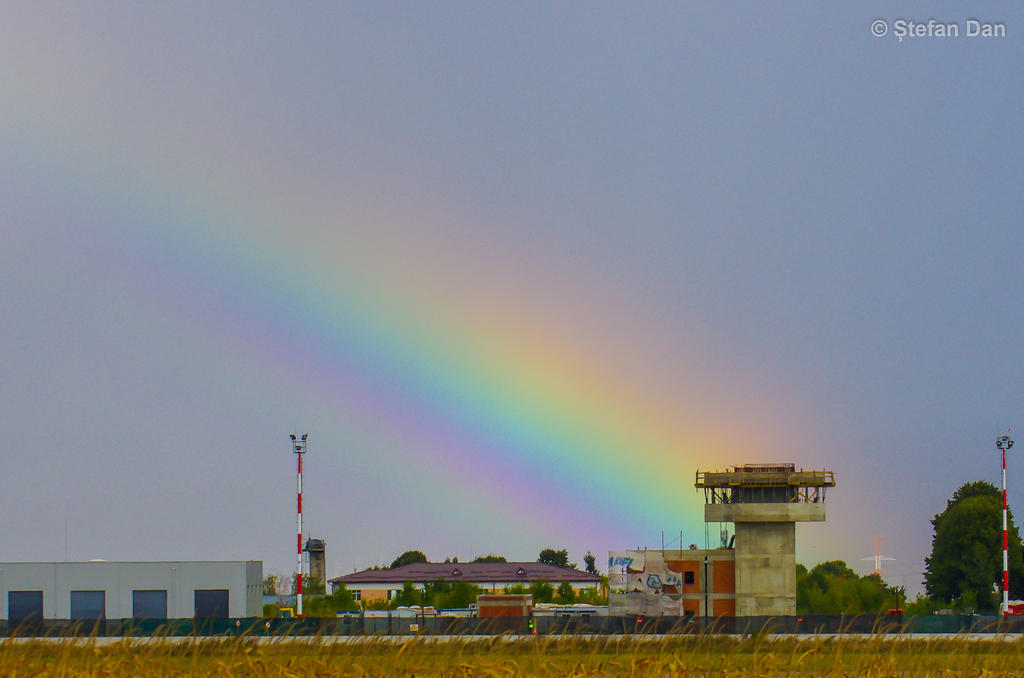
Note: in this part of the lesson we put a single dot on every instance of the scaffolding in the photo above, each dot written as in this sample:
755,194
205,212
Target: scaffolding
764,484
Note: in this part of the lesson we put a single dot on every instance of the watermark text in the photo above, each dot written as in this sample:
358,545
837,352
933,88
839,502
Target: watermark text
909,28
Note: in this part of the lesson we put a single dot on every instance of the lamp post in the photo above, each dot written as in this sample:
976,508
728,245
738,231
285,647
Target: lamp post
299,448
1004,443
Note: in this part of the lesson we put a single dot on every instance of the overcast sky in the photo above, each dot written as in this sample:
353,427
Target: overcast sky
518,270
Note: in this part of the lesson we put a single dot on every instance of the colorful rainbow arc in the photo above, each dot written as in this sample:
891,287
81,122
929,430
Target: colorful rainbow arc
509,418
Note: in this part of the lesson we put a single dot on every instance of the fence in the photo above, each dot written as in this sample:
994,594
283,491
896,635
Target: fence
358,625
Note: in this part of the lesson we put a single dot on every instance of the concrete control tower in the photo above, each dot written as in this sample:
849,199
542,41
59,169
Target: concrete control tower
317,550
765,502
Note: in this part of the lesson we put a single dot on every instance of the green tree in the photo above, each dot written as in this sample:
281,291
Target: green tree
556,558
565,595
922,605
409,596
311,586
490,558
833,588
341,600
271,585
461,595
443,594
590,563
408,558
592,596
542,591
966,559
515,589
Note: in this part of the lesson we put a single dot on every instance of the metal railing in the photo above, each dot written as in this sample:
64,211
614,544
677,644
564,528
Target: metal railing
738,478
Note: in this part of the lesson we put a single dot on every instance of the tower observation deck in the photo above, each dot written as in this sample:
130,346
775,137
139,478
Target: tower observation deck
765,486
765,501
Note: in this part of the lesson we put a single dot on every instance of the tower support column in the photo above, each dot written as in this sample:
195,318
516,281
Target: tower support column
765,569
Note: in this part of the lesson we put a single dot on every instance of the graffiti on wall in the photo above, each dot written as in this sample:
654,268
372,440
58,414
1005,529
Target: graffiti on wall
643,583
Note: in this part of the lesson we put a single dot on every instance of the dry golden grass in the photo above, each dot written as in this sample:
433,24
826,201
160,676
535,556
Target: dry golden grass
876,657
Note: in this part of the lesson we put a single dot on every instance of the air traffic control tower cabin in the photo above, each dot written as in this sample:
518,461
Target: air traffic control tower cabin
765,502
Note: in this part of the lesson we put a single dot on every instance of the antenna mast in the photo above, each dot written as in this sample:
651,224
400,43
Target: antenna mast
1004,444
299,448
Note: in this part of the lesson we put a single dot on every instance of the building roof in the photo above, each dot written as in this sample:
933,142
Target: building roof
471,572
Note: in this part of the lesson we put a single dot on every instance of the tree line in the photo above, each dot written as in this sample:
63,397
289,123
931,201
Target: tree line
832,588
963,573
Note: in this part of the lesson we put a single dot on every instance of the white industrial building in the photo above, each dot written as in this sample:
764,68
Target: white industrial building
100,589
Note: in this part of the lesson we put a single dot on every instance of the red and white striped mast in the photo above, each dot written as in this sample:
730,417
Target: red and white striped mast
1004,444
299,448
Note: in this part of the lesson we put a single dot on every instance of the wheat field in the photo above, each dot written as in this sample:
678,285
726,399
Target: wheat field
502,656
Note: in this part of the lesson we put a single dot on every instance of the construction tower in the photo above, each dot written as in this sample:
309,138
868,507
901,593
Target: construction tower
765,502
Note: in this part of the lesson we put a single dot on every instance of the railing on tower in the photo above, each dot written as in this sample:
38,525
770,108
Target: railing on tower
764,484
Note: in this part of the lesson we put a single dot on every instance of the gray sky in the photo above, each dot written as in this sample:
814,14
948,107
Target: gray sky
519,271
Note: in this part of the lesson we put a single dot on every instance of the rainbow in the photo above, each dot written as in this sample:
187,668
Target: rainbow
463,393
